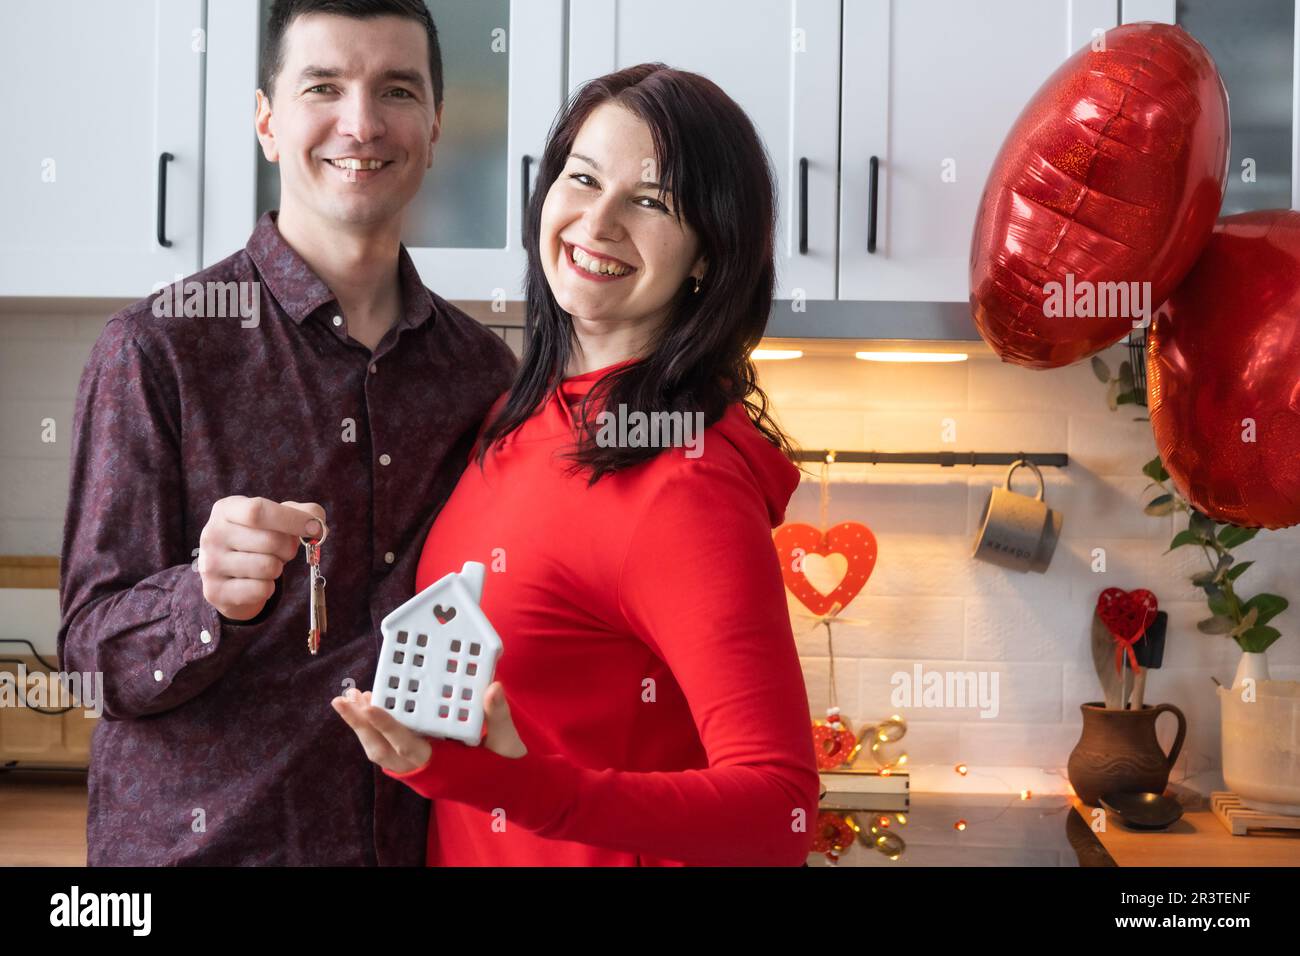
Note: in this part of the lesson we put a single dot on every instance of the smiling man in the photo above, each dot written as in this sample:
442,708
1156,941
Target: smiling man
206,446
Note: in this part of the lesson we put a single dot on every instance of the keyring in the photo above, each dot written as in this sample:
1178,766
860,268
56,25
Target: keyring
318,541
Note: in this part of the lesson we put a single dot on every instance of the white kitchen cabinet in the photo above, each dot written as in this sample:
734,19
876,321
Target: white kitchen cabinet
102,113
930,89
504,75
778,59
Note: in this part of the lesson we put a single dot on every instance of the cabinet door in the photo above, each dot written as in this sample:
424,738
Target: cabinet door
778,59
1253,43
95,93
503,68
931,87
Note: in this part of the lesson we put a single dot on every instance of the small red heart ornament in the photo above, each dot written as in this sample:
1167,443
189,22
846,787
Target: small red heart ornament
854,541
834,742
834,835
1127,615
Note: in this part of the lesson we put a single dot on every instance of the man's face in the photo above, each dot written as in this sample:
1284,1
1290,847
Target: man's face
351,119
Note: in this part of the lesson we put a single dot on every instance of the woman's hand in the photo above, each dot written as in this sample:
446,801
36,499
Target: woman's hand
399,749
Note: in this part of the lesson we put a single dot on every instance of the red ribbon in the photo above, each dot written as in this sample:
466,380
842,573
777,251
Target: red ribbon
1126,643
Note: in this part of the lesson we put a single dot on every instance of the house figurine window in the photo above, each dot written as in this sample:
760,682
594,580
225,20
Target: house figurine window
438,657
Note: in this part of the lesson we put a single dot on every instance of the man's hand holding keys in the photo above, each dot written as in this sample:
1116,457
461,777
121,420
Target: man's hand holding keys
244,547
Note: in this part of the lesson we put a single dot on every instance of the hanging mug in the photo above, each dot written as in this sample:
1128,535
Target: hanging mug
1017,531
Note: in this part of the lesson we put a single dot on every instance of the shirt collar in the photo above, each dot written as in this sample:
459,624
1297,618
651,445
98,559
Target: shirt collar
300,292
574,388
571,391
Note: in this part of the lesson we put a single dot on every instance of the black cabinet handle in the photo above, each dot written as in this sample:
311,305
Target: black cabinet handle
163,160
873,196
803,206
526,192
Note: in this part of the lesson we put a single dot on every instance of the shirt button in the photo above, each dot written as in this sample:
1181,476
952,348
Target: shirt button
385,460
158,675
389,557
338,320
205,637
373,368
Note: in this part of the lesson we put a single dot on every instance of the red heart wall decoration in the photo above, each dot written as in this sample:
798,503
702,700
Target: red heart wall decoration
852,540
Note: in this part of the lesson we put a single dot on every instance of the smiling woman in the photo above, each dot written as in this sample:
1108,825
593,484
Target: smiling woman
649,708
651,233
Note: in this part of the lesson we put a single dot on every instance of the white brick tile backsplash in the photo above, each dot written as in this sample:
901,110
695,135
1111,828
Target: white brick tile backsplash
928,601
896,627
33,487
1000,385
1134,563
31,536
1025,692
1012,744
22,429
818,382
824,428
816,675
887,503
1024,631
1111,443
38,369
1035,628
929,741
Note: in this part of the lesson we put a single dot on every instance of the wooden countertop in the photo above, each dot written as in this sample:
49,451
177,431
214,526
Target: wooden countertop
1198,839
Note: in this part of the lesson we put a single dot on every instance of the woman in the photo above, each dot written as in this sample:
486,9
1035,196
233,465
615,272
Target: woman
657,713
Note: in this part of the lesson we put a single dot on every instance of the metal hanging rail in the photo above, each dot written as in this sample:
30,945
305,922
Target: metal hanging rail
945,459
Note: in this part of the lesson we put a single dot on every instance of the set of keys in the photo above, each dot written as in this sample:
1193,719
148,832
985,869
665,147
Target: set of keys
316,622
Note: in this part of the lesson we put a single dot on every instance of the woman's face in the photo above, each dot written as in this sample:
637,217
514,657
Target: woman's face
612,250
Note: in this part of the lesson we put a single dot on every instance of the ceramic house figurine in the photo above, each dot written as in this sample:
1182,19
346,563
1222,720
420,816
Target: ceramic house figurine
438,657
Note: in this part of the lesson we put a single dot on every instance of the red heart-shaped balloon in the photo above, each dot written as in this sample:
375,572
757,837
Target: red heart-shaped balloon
1111,177
1223,363
1127,614
855,541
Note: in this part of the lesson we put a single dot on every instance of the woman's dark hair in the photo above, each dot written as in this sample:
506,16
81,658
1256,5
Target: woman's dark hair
713,162
283,13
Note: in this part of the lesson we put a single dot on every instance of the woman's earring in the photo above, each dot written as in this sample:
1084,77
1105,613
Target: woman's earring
697,285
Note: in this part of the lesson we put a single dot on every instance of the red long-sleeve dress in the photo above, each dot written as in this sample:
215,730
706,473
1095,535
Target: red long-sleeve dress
649,663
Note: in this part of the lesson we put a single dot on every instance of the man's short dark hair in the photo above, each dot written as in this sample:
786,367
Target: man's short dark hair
283,13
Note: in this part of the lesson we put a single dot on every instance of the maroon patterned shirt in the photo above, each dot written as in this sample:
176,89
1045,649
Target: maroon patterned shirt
218,743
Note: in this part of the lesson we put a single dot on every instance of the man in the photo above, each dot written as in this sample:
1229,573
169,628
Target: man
206,446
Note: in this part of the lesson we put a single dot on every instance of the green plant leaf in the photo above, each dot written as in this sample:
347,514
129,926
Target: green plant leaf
1258,638
1268,605
1250,619
1220,606
1238,571
1155,470
1182,538
1160,505
1100,369
1231,535
1125,375
1216,625
1127,398
1201,525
